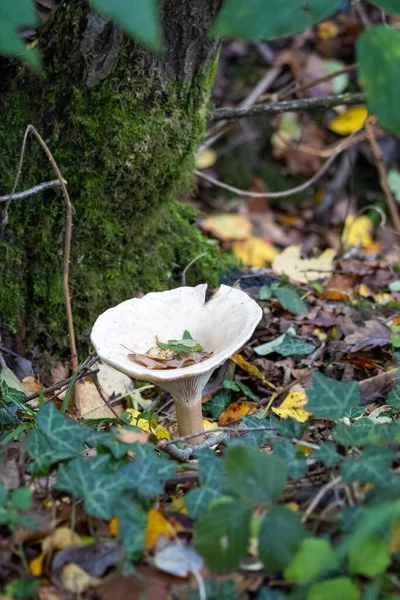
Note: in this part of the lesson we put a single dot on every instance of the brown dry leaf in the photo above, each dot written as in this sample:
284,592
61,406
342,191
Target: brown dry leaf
227,227
372,334
241,362
75,580
303,270
49,593
161,524
160,354
187,359
254,252
31,385
127,436
58,373
293,405
235,411
91,404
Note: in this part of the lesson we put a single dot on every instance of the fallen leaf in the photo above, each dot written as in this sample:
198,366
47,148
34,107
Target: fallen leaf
161,364
351,120
206,159
235,411
303,270
227,227
114,383
148,426
47,592
254,252
179,560
91,405
293,406
31,385
161,524
75,580
113,526
129,436
357,231
327,30
372,334
241,362
62,537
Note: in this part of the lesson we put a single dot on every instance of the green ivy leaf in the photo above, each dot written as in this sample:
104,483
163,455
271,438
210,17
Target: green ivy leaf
22,498
210,473
13,16
332,589
146,475
313,558
199,499
285,345
238,386
140,18
3,495
257,20
295,462
330,399
280,535
372,467
291,301
393,398
327,454
356,434
22,588
378,51
217,404
270,594
392,7
265,292
371,558
222,534
62,433
255,477
132,521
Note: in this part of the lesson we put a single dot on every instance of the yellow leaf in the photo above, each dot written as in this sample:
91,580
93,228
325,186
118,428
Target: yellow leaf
206,159
357,231
152,427
61,538
349,121
36,565
254,252
241,362
159,525
383,298
293,506
327,30
235,411
75,580
113,526
364,290
227,227
293,406
303,270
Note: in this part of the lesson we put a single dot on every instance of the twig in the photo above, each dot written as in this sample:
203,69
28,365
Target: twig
303,88
288,106
185,270
102,396
359,7
380,165
31,191
68,232
317,499
284,194
183,454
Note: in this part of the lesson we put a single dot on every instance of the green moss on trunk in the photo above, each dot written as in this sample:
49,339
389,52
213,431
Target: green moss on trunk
124,138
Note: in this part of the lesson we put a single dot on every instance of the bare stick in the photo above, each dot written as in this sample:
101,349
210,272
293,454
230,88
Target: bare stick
32,191
293,89
68,232
380,165
102,396
317,499
288,106
185,270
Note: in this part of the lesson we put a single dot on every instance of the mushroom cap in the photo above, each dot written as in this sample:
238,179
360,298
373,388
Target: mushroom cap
222,326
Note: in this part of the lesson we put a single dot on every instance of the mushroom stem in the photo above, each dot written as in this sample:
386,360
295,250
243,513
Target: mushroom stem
190,418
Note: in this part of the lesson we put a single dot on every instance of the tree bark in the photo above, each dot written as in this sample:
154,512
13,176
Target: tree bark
123,124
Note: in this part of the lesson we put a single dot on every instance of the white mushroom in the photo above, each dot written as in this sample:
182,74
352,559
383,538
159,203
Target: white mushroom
222,326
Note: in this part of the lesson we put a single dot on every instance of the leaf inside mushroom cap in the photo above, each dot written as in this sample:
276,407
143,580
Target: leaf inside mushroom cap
181,360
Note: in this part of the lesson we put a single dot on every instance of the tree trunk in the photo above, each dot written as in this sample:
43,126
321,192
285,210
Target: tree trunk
123,124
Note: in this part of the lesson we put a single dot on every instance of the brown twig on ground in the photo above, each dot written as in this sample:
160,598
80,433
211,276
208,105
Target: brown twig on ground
101,394
380,165
266,108
68,232
317,499
31,191
303,88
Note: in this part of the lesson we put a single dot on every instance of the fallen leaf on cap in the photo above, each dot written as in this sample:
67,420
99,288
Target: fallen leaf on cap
254,252
303,270
348,122
293,406
75,580
227,227
162,364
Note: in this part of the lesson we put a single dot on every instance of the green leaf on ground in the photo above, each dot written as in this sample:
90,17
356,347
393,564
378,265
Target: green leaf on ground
257,20
313,558
295,461
327,454
140,18
330,399
378,51
371,558
291,301
393,398
217,404
210,472
257,478
222,534
394,184
238,386
22,498
280,535
372,467
332,589
265,292
392,7
356,434
285,345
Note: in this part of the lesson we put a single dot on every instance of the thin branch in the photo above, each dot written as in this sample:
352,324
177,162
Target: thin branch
185,270
68,232
293,89
102,396
317,499
380,165
31,191
288,106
